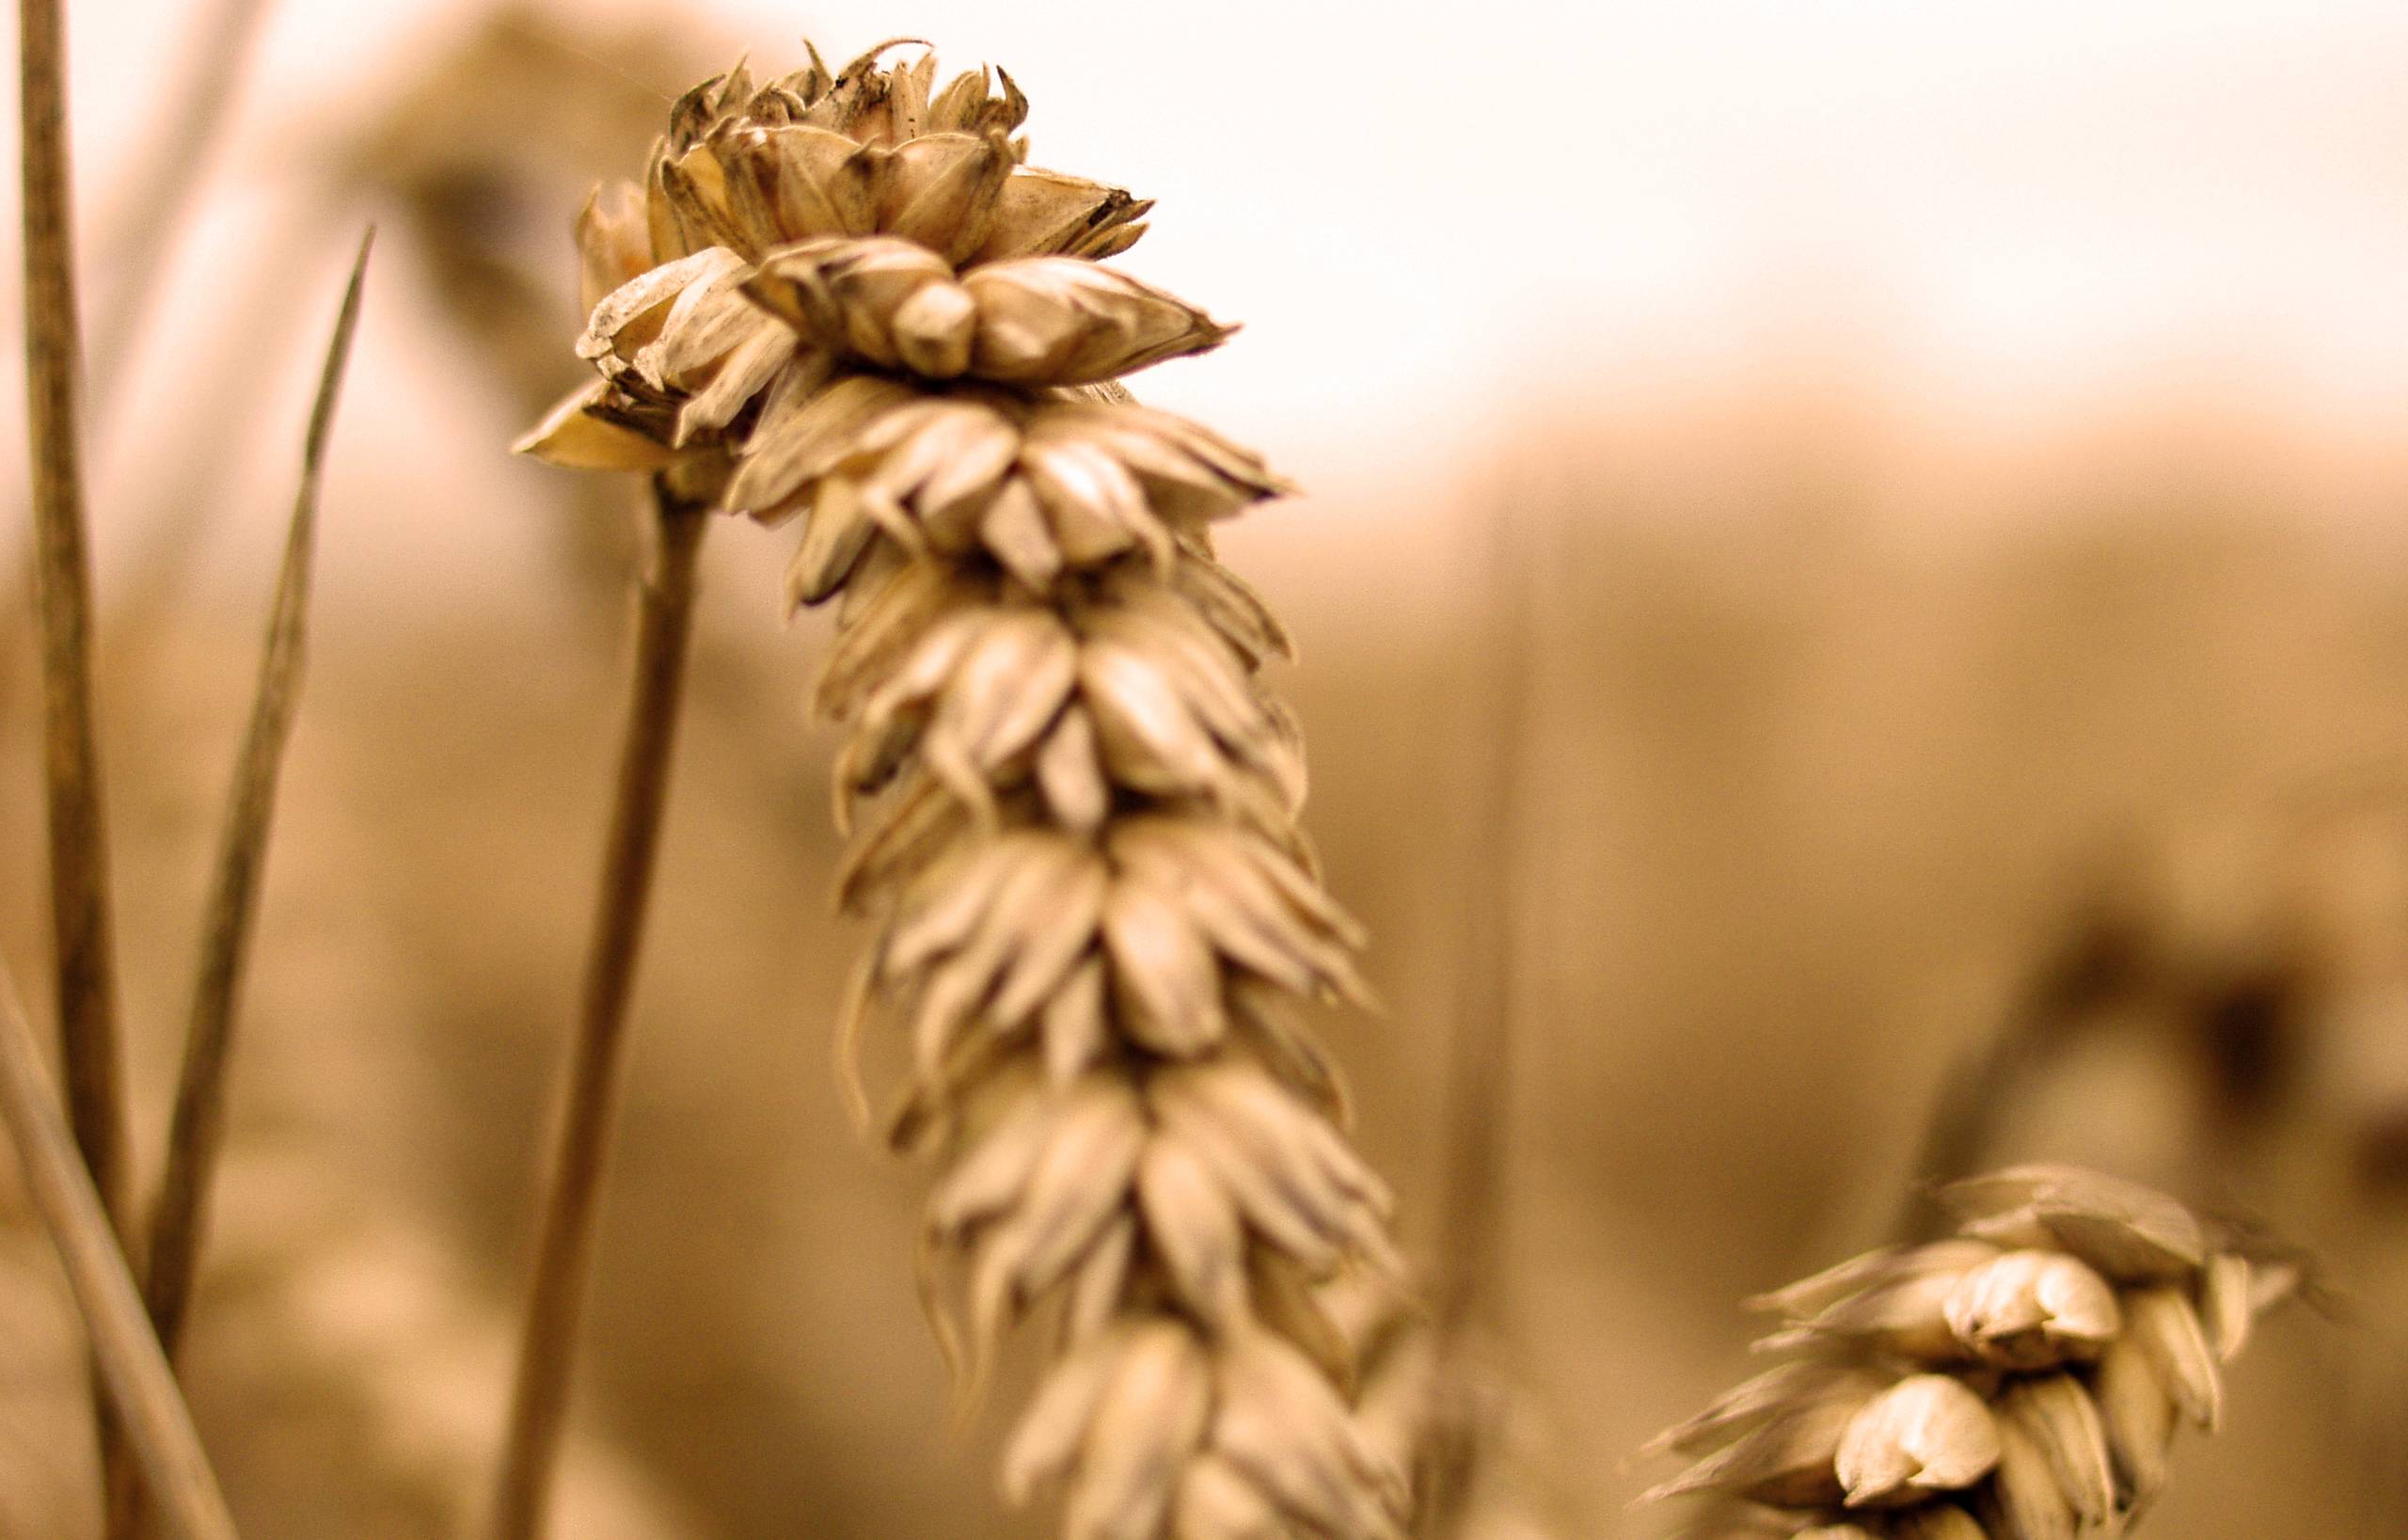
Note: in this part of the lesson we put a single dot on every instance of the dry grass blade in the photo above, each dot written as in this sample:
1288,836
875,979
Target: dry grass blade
87,981
565,1242
141,1386
195,1134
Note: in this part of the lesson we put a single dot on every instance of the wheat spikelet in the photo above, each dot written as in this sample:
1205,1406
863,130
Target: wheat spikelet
844,298
2020,1380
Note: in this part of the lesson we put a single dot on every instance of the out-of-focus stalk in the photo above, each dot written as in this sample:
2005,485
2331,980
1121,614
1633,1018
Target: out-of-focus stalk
564,1238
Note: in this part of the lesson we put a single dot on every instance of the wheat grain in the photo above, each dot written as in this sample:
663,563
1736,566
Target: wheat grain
2023,1380
845,298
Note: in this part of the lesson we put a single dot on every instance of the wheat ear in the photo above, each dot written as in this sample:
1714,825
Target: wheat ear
2020,1380
847,297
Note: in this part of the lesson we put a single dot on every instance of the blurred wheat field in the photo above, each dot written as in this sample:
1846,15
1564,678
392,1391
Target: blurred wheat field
1849,711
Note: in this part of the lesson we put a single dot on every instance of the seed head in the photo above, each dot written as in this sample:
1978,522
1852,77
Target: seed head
844,300
2019,1381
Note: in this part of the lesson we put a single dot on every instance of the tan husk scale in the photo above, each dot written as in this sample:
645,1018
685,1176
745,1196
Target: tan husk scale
846,300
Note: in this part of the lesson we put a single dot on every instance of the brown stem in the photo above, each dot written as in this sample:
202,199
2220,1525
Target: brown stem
564,1242
85,980
86,983
157,1426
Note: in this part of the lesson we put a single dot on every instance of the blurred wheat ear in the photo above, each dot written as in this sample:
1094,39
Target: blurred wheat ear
564,1237
2023,1379
133,1370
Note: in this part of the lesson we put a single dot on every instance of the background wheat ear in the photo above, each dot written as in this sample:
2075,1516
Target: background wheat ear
2022,1380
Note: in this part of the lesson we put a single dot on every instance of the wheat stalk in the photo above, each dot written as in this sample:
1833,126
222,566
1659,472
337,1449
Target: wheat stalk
2020,1380
86,980
82,924
845,297
564,1234
134,1371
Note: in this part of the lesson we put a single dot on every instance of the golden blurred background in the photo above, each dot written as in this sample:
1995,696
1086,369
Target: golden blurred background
1953,467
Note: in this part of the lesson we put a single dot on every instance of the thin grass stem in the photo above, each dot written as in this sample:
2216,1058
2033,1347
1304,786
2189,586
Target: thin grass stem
197,1130
1480,1048
157,1426
85,977
565,1237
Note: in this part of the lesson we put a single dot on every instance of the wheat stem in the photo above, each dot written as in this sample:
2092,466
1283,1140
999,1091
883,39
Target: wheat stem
85,981
87,991
133,1368
565,1235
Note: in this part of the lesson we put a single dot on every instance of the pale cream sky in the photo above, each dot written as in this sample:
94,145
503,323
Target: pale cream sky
2003,213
